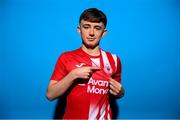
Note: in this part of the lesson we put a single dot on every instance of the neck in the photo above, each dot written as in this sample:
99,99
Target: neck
93,52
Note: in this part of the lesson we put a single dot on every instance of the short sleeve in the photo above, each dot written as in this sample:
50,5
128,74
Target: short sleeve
60,69
117,74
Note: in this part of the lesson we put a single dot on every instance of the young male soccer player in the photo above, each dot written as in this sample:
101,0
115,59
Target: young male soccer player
87,75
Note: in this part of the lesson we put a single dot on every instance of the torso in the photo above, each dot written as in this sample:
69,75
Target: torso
89,98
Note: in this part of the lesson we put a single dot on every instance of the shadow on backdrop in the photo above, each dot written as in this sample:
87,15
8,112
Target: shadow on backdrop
60,108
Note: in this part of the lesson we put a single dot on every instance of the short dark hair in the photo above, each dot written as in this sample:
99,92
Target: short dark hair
93,15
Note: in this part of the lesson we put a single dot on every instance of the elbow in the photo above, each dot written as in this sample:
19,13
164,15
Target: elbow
49,96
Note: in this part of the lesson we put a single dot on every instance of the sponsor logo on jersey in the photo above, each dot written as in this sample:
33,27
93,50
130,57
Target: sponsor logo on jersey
97,86
80,65
107,69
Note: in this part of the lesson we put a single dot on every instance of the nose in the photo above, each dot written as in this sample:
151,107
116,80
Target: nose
91,32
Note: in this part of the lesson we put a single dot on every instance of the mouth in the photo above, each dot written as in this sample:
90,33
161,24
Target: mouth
91,39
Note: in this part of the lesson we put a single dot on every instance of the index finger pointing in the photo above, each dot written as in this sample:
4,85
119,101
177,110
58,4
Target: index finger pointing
95,68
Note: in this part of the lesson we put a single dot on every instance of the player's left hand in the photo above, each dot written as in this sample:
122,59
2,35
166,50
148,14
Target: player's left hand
115,88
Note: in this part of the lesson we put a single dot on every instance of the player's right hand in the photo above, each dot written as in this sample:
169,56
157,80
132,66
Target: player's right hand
84,72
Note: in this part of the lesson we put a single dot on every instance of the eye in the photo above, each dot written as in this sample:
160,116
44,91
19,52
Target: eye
98,28
85,26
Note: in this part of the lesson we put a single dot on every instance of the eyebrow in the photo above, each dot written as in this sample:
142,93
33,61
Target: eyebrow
86,25
90,25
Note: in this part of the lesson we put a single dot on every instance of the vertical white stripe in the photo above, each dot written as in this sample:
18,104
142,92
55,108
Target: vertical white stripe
93,112
109,117
115,60
102,112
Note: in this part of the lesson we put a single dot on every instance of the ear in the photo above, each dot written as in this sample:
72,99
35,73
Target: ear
78,29
104,32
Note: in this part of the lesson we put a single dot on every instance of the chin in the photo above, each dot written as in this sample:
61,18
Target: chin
90,45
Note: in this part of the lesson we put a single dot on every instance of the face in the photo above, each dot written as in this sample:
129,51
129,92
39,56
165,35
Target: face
91,33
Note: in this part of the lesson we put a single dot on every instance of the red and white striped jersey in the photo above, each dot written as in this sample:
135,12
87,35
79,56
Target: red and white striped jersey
88,99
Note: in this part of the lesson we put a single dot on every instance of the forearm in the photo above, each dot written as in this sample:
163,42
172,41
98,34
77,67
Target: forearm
57,89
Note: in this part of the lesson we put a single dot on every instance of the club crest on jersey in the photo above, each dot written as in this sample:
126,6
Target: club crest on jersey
107,69
80,65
